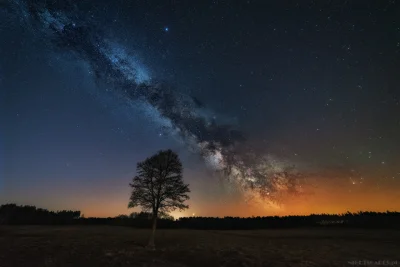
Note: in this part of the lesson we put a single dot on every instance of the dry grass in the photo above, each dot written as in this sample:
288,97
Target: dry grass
96,246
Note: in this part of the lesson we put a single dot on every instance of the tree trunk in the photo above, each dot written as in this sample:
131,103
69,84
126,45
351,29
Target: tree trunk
153,232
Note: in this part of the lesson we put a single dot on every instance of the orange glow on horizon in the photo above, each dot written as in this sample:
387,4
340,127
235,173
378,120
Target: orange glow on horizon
333,196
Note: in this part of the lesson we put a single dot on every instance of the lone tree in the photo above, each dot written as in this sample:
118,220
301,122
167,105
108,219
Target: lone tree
158,187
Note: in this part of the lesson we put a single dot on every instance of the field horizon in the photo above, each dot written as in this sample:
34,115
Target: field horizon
91,245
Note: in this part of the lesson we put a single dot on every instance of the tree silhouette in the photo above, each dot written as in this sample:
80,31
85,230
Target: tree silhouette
158,187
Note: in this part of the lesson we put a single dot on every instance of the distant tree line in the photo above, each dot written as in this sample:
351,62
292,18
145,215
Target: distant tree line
12,214
347,220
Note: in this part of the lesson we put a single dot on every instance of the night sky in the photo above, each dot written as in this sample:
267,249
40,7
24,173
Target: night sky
241,90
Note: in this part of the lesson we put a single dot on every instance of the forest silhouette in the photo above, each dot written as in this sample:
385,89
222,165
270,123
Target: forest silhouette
12,214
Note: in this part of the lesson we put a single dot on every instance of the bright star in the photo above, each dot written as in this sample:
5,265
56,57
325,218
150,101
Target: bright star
166,29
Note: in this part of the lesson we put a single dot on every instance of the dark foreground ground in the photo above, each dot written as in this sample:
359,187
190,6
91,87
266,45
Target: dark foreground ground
96,246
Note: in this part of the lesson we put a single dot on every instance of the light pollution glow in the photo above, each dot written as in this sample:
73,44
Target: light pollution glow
327,196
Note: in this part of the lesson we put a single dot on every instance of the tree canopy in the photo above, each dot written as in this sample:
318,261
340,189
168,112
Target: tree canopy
158,186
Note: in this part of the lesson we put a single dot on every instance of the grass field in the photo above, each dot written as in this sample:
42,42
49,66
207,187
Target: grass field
96,246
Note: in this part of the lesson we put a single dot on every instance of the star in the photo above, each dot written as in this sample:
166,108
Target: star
273,101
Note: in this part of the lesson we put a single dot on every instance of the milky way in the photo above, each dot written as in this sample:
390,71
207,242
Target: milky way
222,146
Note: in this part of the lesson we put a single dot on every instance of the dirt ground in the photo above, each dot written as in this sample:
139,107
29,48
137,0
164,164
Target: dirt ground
95,246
